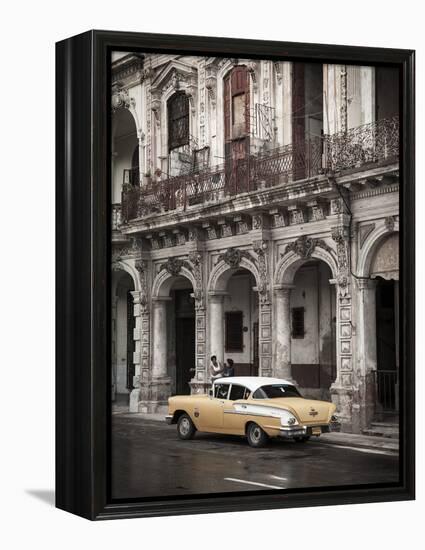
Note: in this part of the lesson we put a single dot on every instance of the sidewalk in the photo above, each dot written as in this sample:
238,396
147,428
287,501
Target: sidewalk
361,441
343,439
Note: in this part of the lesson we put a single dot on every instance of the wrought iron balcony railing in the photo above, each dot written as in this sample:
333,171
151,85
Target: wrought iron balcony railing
370,143
362,145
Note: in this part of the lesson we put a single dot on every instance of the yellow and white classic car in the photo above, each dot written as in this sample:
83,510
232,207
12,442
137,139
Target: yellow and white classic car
255,407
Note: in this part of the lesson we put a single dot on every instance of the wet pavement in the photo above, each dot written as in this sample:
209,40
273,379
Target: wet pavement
149,460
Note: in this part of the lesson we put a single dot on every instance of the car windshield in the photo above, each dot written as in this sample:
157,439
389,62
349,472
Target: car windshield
276,390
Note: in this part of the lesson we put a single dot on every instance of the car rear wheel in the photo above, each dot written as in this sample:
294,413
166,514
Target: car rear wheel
185,427
256,436
302,439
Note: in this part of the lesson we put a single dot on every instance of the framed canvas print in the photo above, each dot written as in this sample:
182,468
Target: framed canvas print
235,282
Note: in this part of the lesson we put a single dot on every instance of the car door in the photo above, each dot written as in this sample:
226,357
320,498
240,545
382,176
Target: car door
210,415
234,421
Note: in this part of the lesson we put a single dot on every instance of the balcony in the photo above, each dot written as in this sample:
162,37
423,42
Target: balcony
330,154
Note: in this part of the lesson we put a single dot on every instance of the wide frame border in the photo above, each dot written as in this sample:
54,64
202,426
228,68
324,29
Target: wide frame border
82,254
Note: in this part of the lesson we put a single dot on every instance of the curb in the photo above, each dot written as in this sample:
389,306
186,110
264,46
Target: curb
385,445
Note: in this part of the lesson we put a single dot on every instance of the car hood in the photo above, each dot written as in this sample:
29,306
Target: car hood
308,411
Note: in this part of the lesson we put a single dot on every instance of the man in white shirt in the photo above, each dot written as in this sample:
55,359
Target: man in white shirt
216,369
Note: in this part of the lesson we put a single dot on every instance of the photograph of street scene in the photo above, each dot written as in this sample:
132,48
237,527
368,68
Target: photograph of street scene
254,275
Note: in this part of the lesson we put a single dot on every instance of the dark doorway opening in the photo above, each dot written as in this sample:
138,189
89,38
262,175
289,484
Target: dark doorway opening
185,340
386,341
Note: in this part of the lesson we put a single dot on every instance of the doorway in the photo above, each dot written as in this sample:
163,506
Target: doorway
386,346
185,340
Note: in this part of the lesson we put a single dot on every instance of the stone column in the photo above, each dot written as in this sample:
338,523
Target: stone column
160,382
343,392
135,392
200,381
216,324
366,348
159,336
282,365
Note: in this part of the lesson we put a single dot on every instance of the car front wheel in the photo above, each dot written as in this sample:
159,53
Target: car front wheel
185,427
256,436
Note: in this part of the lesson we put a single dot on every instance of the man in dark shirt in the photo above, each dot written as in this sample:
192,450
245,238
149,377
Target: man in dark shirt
229,369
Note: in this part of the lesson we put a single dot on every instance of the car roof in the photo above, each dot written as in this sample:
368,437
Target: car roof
252,382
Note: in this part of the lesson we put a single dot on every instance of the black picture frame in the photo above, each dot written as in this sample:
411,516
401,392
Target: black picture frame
82,273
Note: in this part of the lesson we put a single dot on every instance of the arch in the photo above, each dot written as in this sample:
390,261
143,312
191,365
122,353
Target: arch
371,245
222,272
125,142
164,281
121,265
289,264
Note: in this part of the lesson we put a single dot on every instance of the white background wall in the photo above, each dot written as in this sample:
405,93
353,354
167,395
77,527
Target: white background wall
29,30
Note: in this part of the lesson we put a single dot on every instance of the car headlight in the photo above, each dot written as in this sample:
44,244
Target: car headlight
334,418
287,419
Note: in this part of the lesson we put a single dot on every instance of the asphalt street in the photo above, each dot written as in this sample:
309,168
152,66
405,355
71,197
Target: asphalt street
149,460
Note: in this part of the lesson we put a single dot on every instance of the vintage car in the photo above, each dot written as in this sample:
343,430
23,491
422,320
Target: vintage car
255,407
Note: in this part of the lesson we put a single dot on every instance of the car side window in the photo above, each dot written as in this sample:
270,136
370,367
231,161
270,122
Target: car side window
237,392
221,391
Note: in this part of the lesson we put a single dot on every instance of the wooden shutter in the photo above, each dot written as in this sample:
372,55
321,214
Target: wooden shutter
234,331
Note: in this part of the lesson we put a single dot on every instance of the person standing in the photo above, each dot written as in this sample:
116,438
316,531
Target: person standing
229,369
216,369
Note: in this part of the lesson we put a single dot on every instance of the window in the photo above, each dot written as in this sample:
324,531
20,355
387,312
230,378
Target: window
234,331
298,322
273,391
236,103
238,115
237,392
178,121
221,391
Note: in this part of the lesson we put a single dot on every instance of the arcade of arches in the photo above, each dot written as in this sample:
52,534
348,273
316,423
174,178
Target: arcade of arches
306,328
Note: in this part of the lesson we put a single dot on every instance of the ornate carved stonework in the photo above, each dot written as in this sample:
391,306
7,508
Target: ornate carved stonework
211,83
156,104
390,223
195,266
317,211
142,267
252,70
121,99
303,246
226,230
278,71
233,257
261,250
173,266
338,235
211,232
296,215
343,109
257,221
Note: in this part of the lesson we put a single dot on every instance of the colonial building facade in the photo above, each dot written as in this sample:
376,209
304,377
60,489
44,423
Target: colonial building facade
255,217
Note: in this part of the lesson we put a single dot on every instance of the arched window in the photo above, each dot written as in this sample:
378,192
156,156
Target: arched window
178,120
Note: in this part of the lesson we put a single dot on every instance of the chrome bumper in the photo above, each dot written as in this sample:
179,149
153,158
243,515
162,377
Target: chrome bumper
169,419
288,432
